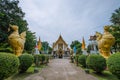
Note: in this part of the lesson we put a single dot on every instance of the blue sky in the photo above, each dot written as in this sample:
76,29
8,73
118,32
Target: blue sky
73,19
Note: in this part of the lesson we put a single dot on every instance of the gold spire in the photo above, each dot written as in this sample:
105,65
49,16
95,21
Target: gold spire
39,44
83,44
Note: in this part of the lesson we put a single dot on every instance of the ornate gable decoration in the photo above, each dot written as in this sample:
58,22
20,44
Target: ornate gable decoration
60,40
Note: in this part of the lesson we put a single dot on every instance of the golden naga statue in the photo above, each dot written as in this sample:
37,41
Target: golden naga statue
105,41
17,41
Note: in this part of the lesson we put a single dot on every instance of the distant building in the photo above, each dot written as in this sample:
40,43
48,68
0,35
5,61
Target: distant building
93,46
60,48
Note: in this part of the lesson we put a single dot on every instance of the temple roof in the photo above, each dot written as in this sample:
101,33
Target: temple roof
59,39
92,38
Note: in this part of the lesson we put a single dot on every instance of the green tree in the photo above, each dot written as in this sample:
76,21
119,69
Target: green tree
30,42
46,47
115,29
77,44
11,13
115,18
50,50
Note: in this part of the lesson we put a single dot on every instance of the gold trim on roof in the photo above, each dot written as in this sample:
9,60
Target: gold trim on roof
59,39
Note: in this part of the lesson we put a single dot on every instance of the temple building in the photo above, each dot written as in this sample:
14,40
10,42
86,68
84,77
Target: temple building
60,48
93,46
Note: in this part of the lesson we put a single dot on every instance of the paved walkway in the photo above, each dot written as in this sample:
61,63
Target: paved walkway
61,69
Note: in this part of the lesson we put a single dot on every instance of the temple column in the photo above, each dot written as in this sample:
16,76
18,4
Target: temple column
57,46
63,47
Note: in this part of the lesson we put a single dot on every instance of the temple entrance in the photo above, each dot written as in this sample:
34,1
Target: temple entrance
60,53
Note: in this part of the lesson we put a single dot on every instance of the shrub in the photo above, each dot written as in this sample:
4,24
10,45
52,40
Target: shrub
76,57
37,58
113,64
42,59
82,60
96,62
26,61
9,64
47,59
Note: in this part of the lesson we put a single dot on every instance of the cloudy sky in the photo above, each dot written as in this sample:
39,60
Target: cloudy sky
73,19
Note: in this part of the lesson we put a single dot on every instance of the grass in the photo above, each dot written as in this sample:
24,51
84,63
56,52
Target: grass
106,75
22,76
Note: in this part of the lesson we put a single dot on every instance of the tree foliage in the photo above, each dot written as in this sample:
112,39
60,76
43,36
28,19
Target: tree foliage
46,47
11,13
30,42
115,29
115,18
77,44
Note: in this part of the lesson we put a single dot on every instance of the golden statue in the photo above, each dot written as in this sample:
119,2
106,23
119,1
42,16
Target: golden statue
17,41
105,41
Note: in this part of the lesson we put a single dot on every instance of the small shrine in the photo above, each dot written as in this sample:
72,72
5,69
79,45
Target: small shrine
93,45
60,48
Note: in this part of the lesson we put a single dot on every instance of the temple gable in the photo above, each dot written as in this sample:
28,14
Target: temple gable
60,47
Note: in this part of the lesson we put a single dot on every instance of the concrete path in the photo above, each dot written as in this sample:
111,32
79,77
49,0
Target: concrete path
61,69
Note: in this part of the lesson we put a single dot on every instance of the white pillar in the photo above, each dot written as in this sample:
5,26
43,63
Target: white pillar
63,47
57,46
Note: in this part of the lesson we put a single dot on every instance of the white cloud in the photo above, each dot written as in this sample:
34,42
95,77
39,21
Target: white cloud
72,19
